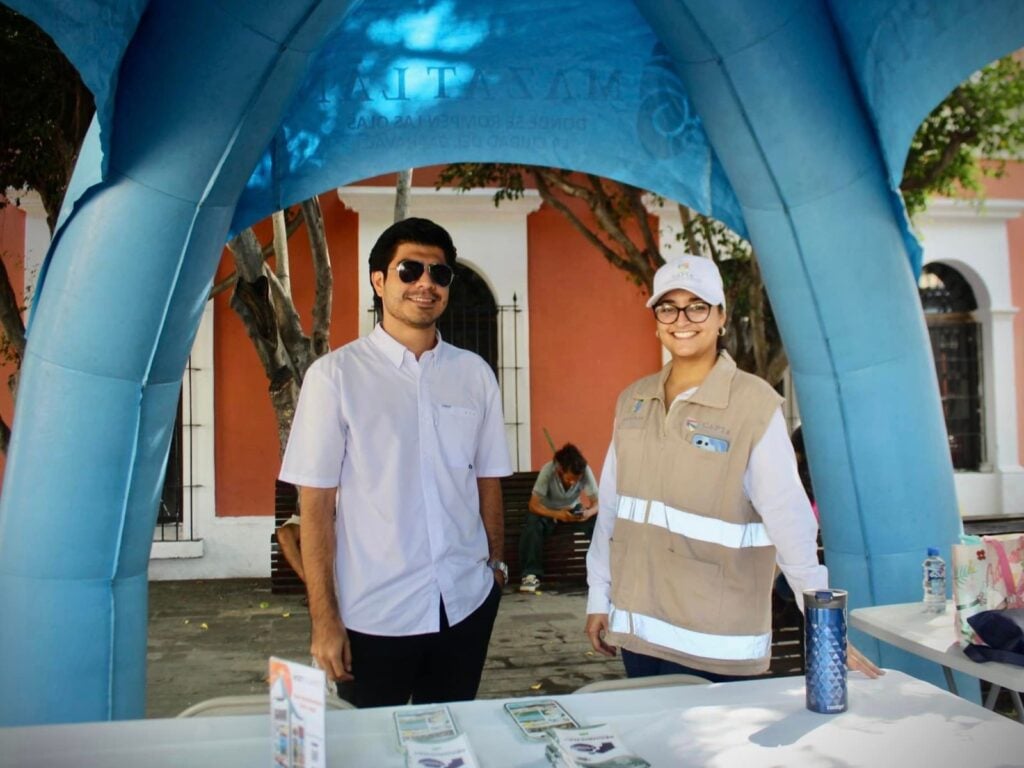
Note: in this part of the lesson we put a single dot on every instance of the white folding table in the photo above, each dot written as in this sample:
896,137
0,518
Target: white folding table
933,637
895,720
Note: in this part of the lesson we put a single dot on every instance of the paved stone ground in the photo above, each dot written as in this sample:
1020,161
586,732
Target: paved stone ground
213,638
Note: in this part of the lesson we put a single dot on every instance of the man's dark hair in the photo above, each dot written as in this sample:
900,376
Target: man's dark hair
569,458
412,230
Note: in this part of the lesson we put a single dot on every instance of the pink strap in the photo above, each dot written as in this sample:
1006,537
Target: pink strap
1004,565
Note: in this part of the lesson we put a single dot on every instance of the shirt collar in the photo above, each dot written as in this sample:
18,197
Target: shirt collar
713,391
393,349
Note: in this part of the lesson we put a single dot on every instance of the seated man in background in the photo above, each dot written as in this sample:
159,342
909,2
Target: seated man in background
565,492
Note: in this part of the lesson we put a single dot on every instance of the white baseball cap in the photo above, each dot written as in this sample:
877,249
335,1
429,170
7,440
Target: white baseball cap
696,274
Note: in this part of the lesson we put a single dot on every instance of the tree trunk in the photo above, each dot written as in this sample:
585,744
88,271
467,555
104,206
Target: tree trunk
402,187
263,301
11,323
282,266
324,277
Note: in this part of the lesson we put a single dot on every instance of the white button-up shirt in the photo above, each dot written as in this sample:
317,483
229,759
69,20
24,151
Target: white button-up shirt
404,440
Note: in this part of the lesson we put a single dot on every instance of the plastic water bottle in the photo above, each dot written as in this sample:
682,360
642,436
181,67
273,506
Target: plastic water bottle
934,582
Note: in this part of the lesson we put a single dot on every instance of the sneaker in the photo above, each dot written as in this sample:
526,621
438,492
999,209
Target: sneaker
530,583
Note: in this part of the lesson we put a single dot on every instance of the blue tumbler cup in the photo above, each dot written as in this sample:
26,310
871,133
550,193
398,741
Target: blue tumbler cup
825,649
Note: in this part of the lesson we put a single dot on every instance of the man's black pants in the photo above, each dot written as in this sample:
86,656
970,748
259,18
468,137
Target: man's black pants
429,668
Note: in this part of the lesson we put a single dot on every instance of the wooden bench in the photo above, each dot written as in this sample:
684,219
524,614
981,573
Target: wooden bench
565,550
283,580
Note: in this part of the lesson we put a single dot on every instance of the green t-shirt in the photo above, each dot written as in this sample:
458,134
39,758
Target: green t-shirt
554,495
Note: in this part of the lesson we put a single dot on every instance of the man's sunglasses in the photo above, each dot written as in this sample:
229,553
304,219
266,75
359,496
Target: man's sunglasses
409,271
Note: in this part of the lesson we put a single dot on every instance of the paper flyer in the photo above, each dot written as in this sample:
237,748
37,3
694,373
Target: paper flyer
594,746
296,715
432,723
451,753
534,716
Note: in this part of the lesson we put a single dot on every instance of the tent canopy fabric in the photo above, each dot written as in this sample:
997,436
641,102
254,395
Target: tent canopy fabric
788,121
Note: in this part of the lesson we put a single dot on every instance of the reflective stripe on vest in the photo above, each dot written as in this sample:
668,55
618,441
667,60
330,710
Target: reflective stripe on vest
709,529
658,632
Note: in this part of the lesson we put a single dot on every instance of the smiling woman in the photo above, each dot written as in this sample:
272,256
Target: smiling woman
700,485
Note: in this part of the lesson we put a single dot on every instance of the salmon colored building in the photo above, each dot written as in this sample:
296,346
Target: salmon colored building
568,332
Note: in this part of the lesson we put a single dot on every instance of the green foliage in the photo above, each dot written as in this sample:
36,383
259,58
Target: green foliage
981,118
507,179
46,111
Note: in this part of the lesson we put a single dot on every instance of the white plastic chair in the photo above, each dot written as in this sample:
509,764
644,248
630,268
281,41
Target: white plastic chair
247,704
654,681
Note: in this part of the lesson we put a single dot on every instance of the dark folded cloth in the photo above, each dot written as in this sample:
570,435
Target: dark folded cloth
1003,635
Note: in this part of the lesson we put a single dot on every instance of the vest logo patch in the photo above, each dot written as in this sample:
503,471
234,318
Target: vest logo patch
692,425
710,444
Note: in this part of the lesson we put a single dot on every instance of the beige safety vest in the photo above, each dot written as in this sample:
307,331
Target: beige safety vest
691,563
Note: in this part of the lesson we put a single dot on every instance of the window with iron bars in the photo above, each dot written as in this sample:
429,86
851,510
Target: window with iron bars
174,515
955,335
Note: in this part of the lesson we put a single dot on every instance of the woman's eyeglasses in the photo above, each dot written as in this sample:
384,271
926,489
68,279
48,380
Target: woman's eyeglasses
696,312
409,271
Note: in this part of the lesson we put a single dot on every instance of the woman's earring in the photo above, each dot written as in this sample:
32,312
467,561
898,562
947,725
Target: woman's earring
721,331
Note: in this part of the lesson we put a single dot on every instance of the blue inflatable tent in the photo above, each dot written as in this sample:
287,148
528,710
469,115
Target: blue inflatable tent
789,121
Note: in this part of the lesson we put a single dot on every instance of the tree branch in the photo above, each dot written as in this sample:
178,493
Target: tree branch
635,198
248,253
402,185
609,220
281,256
937,170
292,224
551,199
11,323
686,216
323,276
297,346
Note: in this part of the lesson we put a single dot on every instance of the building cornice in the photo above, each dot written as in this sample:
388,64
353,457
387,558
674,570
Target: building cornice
944,208
426,201
27,200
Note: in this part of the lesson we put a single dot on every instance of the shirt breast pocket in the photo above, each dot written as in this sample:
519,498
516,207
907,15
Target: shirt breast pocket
457,429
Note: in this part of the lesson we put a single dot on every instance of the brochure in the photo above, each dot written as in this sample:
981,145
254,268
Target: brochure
597,745
296,715
424,724
451,753
534,716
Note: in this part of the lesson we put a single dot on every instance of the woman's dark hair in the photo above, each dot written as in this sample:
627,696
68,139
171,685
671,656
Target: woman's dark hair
720,344
412,230
569,458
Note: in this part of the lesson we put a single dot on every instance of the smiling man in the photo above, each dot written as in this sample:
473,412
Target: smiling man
397,447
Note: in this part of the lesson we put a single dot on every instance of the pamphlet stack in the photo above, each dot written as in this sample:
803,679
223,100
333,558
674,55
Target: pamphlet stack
596,745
